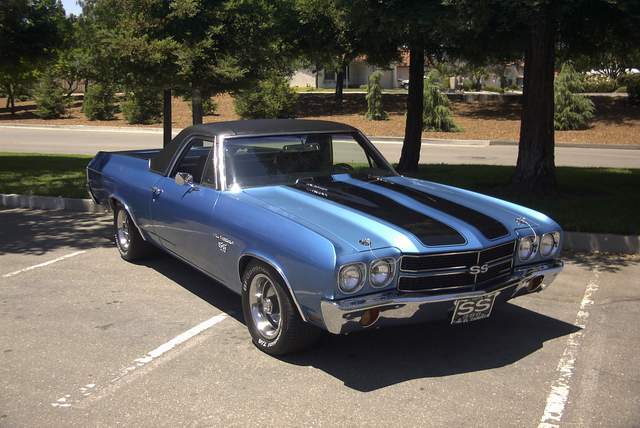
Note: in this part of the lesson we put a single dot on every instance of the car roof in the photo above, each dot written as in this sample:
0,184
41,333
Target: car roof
271,127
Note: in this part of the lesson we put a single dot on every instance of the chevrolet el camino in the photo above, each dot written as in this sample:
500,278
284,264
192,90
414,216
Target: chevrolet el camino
315,230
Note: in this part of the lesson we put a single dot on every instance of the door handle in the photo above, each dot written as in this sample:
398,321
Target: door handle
156,191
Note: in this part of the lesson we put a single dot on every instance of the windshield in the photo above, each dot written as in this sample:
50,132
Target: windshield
273,160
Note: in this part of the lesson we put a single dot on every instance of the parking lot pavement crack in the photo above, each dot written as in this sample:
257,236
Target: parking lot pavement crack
559,394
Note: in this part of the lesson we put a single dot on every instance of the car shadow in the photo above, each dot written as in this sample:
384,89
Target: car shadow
375,359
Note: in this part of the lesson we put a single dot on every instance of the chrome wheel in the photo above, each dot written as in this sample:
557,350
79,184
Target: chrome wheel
122,230
265,306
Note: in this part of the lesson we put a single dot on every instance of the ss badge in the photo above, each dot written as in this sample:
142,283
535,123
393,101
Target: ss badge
473,308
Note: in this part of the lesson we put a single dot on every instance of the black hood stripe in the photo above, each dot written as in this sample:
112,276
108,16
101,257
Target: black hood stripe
428,230
488,226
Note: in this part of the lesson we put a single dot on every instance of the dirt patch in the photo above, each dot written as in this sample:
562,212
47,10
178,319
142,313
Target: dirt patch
616,120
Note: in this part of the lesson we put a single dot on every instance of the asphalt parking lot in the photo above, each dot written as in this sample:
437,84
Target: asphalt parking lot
87,339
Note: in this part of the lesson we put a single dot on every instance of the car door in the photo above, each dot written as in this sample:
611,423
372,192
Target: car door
184,201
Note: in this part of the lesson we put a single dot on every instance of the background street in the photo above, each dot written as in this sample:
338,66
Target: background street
89,339
92,140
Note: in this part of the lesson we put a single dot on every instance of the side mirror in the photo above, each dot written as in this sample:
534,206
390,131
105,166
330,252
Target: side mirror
183,178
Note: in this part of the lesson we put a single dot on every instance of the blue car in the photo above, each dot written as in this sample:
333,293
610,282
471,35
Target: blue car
315,230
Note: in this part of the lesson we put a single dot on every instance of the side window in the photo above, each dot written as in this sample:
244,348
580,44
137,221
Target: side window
194,159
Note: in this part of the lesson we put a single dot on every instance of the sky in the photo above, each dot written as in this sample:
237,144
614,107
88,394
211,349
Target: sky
71,7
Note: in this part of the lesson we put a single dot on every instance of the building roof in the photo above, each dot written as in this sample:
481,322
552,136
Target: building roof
272,126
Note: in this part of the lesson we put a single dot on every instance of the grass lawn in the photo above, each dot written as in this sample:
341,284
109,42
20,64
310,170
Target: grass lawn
47,175
588,200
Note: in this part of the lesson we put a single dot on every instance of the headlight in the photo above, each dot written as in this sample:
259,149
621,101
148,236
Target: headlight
381,272
549,243
526,248
351,278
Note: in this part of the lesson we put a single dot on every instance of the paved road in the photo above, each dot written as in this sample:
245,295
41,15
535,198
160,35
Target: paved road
89,141
76,336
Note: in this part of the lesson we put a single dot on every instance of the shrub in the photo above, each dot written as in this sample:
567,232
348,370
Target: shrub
598,84
50,100
572,111
271,99
437,114
142,106
467,85
621,90
375,110
209,106
632,82
490,88
99,102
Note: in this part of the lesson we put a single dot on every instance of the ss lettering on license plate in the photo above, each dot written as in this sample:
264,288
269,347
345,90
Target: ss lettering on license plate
473,308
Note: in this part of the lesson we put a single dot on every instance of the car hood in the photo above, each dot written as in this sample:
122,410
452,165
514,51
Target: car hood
415,216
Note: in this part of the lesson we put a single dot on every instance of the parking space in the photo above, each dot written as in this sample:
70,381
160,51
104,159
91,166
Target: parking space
89,339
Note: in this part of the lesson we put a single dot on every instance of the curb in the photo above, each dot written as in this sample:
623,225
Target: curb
49,203
575,241
378,139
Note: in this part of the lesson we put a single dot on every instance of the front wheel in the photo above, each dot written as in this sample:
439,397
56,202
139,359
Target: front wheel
270,313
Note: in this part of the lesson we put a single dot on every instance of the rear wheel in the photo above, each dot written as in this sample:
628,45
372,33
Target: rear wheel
271,315
128,239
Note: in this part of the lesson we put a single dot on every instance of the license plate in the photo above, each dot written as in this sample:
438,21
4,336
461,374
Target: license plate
473,308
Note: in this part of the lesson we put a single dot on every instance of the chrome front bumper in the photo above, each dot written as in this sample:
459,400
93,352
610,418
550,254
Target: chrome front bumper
393,307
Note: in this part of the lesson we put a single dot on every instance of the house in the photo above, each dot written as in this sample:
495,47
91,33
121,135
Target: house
358,72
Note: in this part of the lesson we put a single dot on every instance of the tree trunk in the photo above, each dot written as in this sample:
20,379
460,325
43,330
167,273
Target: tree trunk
535,170
339,86
196,106
11,98
415,105
166,117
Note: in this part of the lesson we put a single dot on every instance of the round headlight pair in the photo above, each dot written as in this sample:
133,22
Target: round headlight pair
549,244
351,277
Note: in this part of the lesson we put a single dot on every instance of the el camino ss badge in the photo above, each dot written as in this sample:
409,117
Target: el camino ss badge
474,270
223,242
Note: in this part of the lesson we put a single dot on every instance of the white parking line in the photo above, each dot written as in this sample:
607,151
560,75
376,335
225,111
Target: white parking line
10,274
557,399
95,391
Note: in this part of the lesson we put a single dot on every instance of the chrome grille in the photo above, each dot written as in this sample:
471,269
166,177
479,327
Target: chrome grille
451,271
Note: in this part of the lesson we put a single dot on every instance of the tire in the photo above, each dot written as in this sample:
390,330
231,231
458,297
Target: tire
286,334
130,244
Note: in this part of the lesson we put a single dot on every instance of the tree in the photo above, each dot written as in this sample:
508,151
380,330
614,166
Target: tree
30,30
538,28
572,110
328,37
437,113
375,110
50,98
272,98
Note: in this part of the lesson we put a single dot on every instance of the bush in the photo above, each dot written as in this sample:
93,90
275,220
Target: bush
467,85
632,82
375,110
142,106
572,111
490,88
271,99
50,100
598,84
621,90
437,114
209,106
99,102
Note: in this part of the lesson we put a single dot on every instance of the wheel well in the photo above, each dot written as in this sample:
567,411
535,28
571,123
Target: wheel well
248,258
